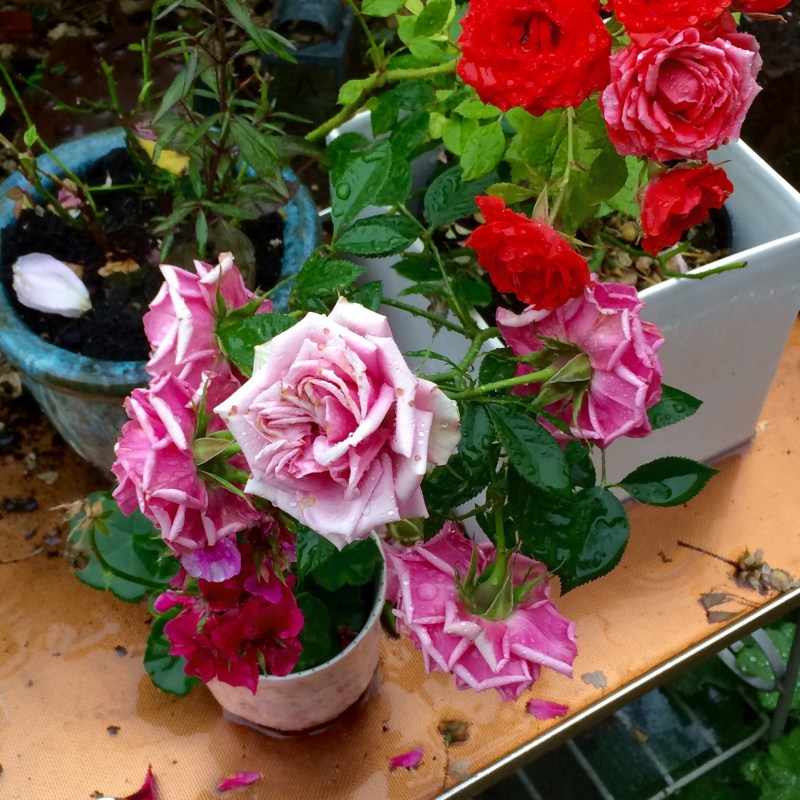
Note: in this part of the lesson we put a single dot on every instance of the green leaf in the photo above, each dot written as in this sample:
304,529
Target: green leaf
483,150
238,338
449,198
477,109
476,434
581,537
2,103
581,468
624,200
201,233
472,292
370,295
457,481
497,365
126,554
259,152
418,267
606,534
322,276
30,137
313,551
510,193
318,636
433,17
351,90
775,772
353,565
752,661
673,406
667,481
166,671
456,132
375,176
381,235
531,450
381,8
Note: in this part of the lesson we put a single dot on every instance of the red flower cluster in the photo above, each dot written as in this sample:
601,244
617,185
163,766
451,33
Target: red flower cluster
678,199
224,628
527,258
657,16
535,54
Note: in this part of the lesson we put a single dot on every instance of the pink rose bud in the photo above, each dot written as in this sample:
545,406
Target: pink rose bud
47,284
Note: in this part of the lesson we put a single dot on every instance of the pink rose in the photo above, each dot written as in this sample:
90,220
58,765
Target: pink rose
180,325
679,97
506,655
157,474
626,374
336,429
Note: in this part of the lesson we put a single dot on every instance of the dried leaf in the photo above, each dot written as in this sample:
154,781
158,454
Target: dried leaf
454,731
123,267
715,617
711,599
752,572
641,736
597,679
458,770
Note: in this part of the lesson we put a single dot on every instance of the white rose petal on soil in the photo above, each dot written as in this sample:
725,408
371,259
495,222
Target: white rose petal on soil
46,284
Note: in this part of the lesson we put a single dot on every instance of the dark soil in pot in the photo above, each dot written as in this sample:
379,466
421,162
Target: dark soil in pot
119,267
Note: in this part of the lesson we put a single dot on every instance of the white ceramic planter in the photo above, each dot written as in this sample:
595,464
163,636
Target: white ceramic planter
314,697
725,334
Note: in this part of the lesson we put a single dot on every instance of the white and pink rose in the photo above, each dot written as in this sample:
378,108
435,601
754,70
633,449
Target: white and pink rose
336,429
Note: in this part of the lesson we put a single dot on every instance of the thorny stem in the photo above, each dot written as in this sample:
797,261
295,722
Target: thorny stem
562,188
469,358
445,323
520,380
376,81
375,53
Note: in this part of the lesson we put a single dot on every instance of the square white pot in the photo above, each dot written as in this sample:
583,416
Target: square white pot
725,334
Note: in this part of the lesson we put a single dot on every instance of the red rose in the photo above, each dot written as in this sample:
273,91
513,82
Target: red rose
527,258
679,97
759,6
677,199
535,54
657,16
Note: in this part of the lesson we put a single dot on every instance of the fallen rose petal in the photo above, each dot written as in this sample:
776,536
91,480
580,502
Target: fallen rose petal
408,760
544,709
148,790
46,284
238,780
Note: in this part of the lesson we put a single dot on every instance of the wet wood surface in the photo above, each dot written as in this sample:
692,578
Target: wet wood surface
79,716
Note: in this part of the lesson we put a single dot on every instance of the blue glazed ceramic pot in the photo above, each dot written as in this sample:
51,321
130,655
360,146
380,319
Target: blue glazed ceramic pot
83,396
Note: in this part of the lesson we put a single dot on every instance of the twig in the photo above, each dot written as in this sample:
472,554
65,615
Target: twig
32,554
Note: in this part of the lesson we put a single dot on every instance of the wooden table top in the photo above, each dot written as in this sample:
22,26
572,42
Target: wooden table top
78,714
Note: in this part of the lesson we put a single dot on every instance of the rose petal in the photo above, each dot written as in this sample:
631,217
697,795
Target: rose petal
409,760
238,780
46,284
544,709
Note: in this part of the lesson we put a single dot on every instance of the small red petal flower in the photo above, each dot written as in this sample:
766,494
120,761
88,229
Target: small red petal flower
678,199
527,258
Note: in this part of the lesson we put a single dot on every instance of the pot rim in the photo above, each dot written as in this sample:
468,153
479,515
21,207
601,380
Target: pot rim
56,367
374,615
